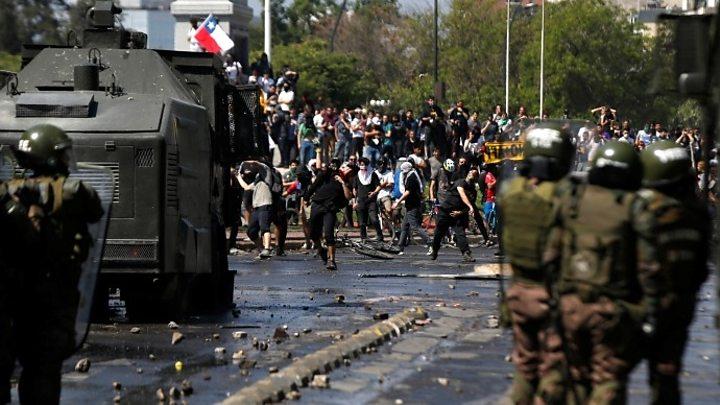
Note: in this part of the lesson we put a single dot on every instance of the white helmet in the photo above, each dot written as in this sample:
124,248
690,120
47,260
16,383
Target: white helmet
449,165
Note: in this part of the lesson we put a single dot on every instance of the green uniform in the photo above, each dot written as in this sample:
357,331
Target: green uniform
47,305
678,232
604,295
527,210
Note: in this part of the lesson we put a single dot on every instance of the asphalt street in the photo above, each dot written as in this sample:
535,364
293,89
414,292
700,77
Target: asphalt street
459,356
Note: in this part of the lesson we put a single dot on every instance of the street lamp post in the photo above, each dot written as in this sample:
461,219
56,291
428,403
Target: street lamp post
267,30
507,61
542,59
436,74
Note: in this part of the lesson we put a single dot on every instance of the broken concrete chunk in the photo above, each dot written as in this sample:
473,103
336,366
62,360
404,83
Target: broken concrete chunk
116,386
177,337
273,370
293,395
443,381
239,335
280,334
238,355
492,322
219,350
83,365
160,395
320,381
135,330
216,336
172,325
340,299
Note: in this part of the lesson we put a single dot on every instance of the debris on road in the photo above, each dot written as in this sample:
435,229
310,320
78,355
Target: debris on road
422,322
186,388
178,366
280,335
116,386
151,356
246,364
293,395
443,381
340,299
273,370
238,355
492,322
239,335
321,381
83,365
160,395
172,325
219,350
177,337
135,330
381,316
174,392
216,336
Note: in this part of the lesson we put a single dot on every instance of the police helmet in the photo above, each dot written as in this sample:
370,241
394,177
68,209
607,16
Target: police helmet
616,165
665,163
45,149
547,152
449,165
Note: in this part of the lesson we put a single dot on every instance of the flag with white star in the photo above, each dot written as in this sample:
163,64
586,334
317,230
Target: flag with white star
212,37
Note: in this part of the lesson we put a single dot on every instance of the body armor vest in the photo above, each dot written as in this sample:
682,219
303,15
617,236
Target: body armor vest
527,215
598,244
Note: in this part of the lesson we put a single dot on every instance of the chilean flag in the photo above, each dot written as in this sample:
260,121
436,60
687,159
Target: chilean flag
212,37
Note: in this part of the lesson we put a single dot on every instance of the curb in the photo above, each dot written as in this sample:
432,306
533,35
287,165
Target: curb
275,387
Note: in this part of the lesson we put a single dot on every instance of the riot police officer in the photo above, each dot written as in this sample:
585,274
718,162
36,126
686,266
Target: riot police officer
526,204
676,229
594,243
47,304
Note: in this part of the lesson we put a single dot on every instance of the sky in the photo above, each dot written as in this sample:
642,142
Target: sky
407,6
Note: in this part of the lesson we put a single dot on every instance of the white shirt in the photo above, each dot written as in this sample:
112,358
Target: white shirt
194,45
285,98
318,120
356,130
232,71
388,177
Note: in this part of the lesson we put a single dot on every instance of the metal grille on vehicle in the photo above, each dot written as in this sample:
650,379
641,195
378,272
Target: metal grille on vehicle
130,250
144,157
96,180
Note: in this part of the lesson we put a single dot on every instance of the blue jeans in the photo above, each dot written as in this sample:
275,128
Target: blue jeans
372,154
307,151
342,149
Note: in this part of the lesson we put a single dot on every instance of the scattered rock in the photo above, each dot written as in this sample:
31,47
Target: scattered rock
440,304
273,370
216,336
451,286
508,358
83,365
340,299
307,330
135,330
219,351
706,358
177,337
139,370
443,381
116,386
247,364
238,355
473,294
178,366
381,316
492,322
151,356
296,334
160,395
239,335
172,325
255,342
422,322
262,346
207,377
285,327
327,291
399,401
280,334
174,392
186,388
117,399
320,381
293,395
347,362
367,307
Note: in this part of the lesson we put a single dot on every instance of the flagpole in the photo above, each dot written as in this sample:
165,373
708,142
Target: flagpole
542,59
267,30
507,61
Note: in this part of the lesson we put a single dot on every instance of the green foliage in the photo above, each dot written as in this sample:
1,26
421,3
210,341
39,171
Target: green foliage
689,114
9,62
325,77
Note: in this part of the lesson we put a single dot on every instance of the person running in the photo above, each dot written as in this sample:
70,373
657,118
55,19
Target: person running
454,213
328,194
412,196
366,186
262,203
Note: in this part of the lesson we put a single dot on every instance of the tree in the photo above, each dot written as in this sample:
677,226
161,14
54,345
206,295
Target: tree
306,15
9,39
329,78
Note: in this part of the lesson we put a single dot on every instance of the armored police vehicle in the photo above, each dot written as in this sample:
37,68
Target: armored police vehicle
169,126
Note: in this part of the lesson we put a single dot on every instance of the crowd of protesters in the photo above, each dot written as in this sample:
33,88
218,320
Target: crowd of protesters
399,173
